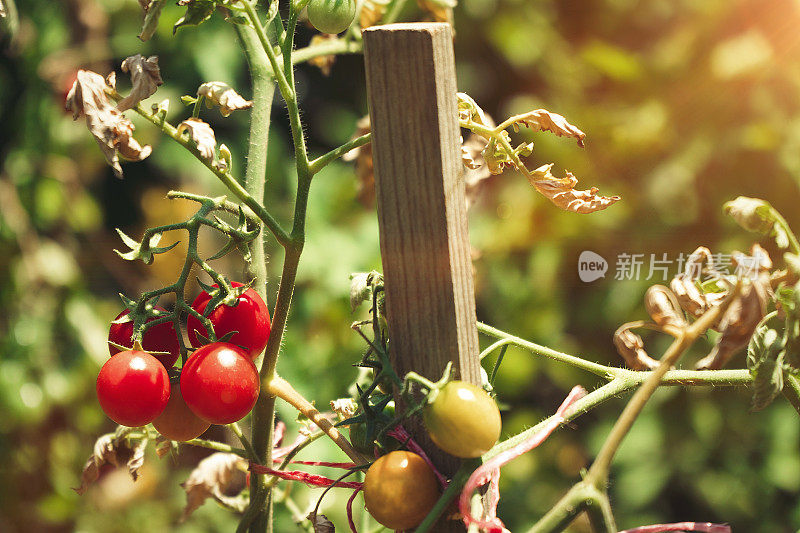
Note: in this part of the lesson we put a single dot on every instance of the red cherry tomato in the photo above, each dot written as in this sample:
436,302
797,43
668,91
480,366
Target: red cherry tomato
220,383
249,318
159,338
177,421
400,489
133,388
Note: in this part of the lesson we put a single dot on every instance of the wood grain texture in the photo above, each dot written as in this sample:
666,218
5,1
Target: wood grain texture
419,177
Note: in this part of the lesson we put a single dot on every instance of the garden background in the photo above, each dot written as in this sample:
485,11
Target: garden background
686,104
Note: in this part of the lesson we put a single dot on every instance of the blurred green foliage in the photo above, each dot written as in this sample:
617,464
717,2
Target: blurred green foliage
686,103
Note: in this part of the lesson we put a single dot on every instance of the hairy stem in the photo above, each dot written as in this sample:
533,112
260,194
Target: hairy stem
259,515
217,446
284,390
603,371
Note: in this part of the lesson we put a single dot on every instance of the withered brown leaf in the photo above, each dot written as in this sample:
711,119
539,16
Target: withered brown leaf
224,96
631,347
112,449
544,120
112,131
663,307
562,192
209,479
145,80
321,523
202,134
743,315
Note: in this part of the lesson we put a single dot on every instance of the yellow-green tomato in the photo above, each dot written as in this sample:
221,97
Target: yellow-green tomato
331,16
463,420
400,489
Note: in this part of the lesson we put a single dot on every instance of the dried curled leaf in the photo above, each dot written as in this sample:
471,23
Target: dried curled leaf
104,453
224,96
562,192
209,479
344,407
145,79
631,347
321,523
685,288
202,134
372,12
476,170
742,317
137,459
323,63
544,120
112,449
663,307
112,131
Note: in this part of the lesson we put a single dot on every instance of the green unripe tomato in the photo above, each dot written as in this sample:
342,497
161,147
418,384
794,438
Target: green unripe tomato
359,439
362,442
331,16
463,420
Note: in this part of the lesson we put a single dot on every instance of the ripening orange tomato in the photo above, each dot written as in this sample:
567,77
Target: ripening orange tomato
400,489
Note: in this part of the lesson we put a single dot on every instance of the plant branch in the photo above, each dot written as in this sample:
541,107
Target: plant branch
603,371
224,175
319,163
598,472
217,446
337,47
284,390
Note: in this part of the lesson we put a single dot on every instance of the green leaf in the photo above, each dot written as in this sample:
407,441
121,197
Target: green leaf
151,16
757,215
197,12
765,356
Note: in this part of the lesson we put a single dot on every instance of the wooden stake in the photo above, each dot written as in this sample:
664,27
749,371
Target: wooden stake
419,177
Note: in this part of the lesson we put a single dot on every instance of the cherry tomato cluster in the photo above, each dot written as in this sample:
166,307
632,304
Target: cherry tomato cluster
219,383
400,488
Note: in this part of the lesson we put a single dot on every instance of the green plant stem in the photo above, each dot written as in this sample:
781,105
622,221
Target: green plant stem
580,497
603,371
337,47
258,517
217,446
287,91
234,427
791,390
793,243
450,493
319,163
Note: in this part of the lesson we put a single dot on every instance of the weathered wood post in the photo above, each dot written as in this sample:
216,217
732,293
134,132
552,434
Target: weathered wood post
411,84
